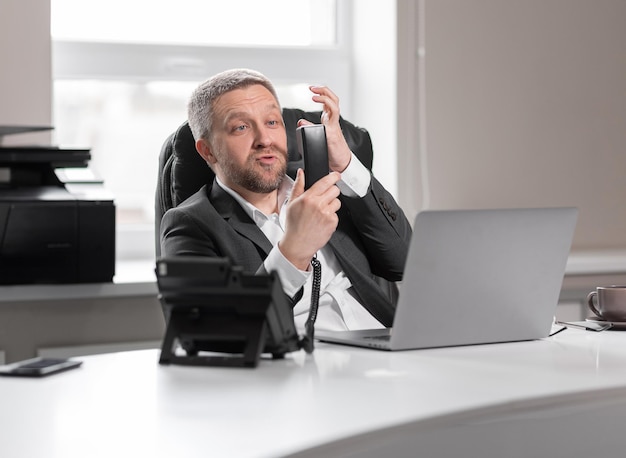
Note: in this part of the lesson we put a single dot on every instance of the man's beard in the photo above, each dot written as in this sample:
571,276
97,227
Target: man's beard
251,178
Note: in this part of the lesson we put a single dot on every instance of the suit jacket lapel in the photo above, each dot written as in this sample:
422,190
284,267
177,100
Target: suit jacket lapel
231,211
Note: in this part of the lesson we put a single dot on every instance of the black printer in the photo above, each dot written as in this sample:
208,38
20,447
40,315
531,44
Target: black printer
57,221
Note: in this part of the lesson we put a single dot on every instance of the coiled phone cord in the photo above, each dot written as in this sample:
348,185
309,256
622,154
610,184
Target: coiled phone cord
309,326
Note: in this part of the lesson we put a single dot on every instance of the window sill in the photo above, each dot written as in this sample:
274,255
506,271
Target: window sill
137,278
596,262
133,278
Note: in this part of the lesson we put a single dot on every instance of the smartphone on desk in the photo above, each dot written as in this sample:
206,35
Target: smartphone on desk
39,367
314,151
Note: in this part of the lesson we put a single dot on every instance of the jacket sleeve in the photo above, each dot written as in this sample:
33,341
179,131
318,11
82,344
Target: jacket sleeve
383,228
182,236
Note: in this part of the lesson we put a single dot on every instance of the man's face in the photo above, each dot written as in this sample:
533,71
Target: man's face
248,149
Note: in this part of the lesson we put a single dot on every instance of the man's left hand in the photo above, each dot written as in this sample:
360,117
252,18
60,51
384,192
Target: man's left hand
339,154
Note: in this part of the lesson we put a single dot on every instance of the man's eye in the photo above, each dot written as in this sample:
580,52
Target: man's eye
273,123
240,128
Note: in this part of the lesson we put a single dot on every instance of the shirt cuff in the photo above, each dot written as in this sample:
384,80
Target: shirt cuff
291,278
355,179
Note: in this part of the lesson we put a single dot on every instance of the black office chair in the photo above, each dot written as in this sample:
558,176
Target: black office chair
182,171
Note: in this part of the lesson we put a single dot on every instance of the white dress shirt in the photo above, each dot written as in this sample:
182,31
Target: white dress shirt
338,307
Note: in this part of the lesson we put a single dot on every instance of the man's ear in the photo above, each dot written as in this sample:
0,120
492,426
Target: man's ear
204,149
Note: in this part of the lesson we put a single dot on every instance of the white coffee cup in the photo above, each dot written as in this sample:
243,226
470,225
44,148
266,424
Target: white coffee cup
608,302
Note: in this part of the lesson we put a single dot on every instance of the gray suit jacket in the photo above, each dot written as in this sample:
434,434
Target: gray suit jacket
371,239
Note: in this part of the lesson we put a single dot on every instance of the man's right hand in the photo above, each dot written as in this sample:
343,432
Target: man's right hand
311,218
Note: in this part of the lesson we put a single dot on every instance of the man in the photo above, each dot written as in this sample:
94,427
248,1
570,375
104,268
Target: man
262,220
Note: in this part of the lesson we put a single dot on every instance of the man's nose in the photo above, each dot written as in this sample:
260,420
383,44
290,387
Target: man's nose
263,137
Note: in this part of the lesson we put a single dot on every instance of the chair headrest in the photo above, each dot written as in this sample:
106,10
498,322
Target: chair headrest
189,170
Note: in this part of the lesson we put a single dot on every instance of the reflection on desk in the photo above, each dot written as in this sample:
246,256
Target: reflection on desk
561,396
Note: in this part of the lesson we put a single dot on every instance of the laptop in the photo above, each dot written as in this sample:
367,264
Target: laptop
476,277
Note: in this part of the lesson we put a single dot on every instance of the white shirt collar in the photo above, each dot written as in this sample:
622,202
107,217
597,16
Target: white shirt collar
284,193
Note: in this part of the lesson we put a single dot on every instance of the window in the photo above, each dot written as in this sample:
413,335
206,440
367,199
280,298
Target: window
196,22
122,78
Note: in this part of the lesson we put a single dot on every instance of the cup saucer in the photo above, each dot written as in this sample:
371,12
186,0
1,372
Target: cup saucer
617,325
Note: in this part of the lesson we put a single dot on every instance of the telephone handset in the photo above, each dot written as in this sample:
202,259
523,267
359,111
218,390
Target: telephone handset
314,151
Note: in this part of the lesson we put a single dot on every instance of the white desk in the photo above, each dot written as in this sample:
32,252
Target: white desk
563,396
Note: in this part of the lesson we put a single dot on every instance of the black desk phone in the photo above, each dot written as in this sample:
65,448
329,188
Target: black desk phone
313,148
217,315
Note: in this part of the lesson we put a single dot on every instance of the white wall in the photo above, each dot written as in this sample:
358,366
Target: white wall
25,78
525,105
374,99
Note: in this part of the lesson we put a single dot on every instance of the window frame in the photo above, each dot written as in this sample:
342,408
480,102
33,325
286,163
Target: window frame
330,65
